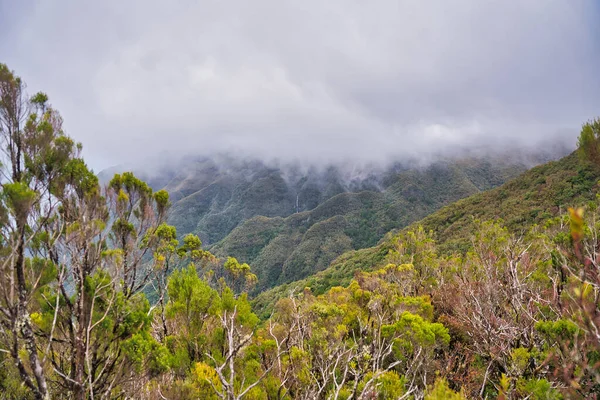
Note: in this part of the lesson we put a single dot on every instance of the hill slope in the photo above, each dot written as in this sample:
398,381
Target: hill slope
534,196
281,250
289,221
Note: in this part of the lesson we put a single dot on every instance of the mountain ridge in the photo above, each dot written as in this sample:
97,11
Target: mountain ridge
534,196
289,221
281,250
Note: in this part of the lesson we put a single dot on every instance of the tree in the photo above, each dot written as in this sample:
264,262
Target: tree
494,299
36,159
589,141
100,307
573,336
351,341
73,255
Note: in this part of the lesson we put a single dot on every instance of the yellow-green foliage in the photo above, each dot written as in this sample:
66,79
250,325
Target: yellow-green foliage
205,381
441,391
387,385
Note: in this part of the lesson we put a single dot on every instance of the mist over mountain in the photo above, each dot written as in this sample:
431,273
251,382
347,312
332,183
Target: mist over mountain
292,219
237,188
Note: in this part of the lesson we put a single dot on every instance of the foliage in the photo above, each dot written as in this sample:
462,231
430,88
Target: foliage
441,391
512,313
548,189
351,220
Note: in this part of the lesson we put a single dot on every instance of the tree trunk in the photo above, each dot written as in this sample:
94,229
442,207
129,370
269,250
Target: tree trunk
80,338
23,322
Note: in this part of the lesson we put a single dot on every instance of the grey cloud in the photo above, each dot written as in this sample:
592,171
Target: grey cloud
309,80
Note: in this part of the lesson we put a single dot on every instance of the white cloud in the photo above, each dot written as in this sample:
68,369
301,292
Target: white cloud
313,80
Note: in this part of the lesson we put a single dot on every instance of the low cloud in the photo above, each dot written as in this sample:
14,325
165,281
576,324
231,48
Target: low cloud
308,80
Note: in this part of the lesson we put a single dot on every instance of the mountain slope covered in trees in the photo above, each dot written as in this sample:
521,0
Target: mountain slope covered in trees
543,192
281,250
212,195
289,222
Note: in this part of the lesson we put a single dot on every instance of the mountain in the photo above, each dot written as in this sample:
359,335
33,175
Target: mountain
290,221
285,249
212,195
542,192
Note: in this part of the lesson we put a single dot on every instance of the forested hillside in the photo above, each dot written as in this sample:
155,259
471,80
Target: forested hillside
543,192
212,196
289,222
281,250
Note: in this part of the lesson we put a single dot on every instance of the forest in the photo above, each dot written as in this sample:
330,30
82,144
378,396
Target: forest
100,298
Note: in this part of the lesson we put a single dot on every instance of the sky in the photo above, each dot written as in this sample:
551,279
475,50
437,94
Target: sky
320,81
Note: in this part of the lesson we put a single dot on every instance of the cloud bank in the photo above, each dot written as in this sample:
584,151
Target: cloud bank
308,80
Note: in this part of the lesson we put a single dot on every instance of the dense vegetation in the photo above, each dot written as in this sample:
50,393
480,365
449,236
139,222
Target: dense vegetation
282,250
543,192
211,196
504,310
257,212
290,222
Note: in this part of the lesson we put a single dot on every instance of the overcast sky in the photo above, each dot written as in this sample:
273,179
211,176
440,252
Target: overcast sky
311,79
